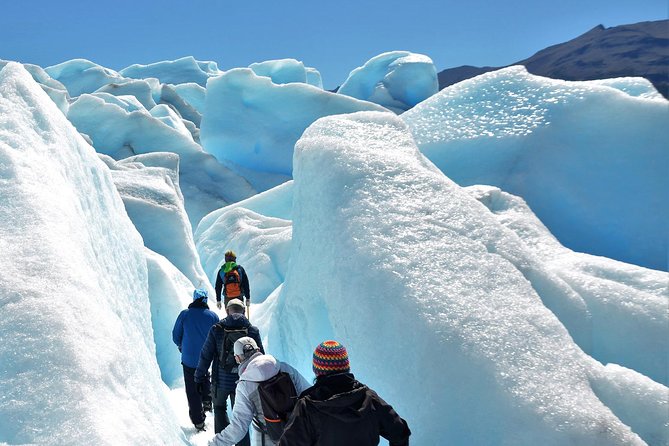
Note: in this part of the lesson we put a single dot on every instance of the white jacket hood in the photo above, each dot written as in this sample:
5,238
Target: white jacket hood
259,368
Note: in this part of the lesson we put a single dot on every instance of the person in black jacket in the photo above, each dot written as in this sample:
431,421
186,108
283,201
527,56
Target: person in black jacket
338,410
218,348
232,282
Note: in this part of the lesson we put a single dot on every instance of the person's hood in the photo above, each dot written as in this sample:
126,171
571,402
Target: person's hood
258,368
235,320
199,303
228,266
348,407
340,396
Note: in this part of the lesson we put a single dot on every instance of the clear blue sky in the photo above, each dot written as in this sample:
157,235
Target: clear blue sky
334,37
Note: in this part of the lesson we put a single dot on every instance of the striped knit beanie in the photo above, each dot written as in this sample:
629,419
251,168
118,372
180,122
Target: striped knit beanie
330,357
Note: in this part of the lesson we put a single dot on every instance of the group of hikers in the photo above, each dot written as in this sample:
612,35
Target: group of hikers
266,394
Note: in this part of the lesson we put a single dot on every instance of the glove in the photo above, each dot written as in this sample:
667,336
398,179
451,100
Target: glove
218,304
199,387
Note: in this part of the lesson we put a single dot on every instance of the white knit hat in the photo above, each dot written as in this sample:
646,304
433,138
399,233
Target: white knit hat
237,302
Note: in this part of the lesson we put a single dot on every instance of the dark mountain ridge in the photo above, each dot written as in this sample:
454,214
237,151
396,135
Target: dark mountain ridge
640,49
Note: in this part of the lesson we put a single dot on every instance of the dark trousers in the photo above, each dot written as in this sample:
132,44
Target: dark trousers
195,411
221,419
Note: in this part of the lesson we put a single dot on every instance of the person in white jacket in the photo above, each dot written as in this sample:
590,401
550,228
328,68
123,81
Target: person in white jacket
254,367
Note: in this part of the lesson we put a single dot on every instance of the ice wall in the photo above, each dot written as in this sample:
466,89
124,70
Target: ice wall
192,93
82,76
142,90
169,292
262,245
149,187
254,123
627,304
77,351
179,71
590,160
380,231
282,71
56,91
397,80
121,127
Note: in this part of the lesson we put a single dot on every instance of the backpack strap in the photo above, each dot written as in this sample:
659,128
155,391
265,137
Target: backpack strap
223,353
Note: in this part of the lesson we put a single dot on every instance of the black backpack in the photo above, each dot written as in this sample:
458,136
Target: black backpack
277,397
227,357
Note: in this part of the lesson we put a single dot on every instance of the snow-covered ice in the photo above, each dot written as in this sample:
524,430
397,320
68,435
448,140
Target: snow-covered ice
142,90
590,160
628,321
149,187
56,91
169,292
194,94
285,71
77,352
265,242
382,232
254,123
633,86
82,76
121,132
179,71
314,77
457,304
397,80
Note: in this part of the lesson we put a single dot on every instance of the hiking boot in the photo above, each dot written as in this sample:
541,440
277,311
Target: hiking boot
200,426
206,406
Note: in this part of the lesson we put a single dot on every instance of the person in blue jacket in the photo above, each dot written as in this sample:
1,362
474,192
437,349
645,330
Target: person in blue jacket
189,333
218,348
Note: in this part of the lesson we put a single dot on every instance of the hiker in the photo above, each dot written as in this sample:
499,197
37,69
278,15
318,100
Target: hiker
189,332
258,374
232,281
339,410
218,348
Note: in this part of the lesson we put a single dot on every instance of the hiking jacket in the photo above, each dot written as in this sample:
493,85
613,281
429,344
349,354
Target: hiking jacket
211,352
190,331
246,290
254,370
338,410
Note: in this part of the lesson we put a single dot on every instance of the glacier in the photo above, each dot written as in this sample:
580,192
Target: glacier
516,337
56,90
285,71
121,127
626,304
193,93
149,187
81,76
616,311
382,232
77,352
397,80
251,122
180,71
590,160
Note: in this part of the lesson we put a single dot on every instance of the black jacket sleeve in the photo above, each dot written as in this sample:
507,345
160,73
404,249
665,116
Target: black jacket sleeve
219,285
391,426
255,334
299,431
246,290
